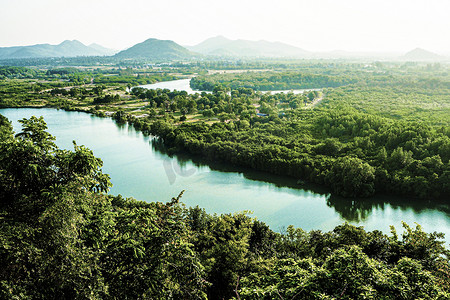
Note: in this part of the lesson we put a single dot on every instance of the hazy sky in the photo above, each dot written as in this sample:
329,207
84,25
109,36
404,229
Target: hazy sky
316,25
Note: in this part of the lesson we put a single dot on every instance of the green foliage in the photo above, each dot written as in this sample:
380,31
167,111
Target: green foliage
412,101
133,80
6,129
61,238
348,272
269,81
106,99
16,72
352,177
150,254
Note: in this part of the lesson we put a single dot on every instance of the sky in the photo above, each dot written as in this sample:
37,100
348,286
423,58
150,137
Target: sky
314,25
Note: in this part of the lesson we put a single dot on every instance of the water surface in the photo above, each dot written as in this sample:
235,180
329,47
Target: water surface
139,168
183,85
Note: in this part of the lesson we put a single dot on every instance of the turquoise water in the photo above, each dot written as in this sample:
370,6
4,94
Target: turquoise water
138,169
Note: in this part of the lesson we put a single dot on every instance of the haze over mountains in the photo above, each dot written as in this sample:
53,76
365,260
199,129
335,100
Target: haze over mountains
65,49
422,55
221,46
160,50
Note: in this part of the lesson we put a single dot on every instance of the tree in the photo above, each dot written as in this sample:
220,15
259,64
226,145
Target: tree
62,238
42,191
352,177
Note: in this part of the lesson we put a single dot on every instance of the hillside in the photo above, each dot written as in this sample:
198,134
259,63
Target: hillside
102,49
221,46
156,50
65,49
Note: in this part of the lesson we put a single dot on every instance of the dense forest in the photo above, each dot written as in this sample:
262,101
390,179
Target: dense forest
63,237
71,76
327,75
269,81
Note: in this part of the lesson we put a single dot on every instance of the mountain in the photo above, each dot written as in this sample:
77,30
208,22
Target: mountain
156,50
210,45
221,46
65,49
420,54
101,49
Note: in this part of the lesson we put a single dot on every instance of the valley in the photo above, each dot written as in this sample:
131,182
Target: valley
238,174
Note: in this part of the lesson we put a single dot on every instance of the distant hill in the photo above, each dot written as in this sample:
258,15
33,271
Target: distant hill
65,49
210,45
420,54
102,49
221,46
155,49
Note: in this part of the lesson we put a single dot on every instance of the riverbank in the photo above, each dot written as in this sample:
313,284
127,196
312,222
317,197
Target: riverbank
148,172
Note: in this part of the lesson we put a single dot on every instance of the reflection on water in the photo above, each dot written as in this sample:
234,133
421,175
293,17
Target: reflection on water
279,181
359,210
354,210
141,167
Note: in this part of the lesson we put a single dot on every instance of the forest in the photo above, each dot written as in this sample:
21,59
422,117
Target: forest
268,81
63,237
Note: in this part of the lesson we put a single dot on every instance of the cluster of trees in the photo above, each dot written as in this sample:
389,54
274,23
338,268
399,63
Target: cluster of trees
238,103
269,81
221,104
51,62
292,75
62,237
16,72
106,99
14,93
108,77
273,103
133,80
78,76
63,71
409,101
73,75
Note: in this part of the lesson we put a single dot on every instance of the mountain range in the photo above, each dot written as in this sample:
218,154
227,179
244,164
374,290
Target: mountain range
166,50
65,49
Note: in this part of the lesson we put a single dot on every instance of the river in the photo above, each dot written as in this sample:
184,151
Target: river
179,85
183,85
139,168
